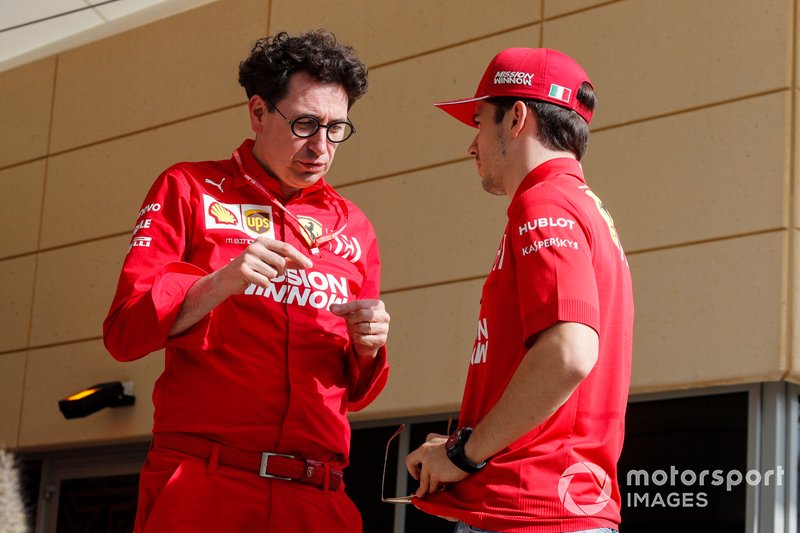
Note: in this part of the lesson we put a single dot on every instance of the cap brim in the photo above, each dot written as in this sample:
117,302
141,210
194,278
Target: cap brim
462,110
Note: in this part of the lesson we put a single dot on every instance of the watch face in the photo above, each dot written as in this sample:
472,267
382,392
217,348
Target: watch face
455,450
452,440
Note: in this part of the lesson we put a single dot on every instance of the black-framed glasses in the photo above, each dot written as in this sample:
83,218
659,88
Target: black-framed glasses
306,126
396,499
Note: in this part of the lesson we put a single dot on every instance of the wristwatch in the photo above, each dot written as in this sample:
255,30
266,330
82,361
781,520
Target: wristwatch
455,451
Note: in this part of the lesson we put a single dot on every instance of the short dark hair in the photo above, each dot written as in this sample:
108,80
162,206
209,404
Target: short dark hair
559,128
275,58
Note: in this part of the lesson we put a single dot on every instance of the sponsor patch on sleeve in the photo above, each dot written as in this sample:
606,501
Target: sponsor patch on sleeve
547,232
140,242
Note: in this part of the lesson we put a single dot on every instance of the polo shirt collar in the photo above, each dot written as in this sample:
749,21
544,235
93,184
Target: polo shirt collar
548,169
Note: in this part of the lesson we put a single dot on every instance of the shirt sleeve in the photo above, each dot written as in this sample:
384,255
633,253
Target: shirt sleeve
364,388
555,277
155,278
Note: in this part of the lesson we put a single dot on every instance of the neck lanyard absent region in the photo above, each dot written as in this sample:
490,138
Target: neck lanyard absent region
314,243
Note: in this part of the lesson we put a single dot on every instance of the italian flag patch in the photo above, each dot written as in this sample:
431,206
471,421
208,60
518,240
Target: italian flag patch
560,93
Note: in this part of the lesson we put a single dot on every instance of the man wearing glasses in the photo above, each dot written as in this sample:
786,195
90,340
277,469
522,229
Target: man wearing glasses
262,284
542,419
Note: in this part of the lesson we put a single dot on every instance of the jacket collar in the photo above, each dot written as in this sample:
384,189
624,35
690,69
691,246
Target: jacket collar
259,173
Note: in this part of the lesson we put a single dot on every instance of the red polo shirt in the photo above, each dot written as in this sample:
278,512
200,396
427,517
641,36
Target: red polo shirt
560,259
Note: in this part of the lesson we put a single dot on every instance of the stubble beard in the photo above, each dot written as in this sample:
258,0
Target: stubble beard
491,186
492,182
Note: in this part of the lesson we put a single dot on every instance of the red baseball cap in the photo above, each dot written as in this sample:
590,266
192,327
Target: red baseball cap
535,73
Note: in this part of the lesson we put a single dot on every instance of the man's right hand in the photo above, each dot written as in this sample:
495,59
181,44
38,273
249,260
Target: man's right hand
260,262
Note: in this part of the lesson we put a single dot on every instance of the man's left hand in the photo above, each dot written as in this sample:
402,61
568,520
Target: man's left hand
430,465
367,325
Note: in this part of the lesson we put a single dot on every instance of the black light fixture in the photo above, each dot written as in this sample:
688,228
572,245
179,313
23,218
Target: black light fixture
94,398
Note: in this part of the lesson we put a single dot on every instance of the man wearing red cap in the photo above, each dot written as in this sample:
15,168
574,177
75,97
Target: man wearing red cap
262,284
542,418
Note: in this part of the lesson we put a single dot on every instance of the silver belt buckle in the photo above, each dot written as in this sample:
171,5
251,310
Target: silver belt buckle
265,461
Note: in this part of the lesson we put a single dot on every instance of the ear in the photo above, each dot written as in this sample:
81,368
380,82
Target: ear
257,107
520,117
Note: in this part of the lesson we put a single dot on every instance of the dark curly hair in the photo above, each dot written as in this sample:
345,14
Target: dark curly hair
275,58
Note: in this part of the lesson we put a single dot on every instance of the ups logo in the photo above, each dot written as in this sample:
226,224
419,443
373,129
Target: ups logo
257,220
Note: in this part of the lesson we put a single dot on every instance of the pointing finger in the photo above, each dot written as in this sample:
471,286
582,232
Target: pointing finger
289,252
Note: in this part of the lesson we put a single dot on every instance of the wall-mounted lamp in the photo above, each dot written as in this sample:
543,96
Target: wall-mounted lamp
96,397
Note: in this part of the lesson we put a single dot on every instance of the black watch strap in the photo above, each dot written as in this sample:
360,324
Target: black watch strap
455,451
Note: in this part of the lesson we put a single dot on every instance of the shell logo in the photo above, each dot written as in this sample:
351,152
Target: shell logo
222,214
602,481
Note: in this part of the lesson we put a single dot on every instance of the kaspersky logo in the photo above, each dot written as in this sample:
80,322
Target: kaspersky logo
592,501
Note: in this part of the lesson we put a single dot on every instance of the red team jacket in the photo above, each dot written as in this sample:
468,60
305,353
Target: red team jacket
560,259
267,370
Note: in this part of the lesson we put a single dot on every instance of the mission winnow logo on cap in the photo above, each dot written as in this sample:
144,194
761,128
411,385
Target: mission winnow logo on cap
530,73
514,78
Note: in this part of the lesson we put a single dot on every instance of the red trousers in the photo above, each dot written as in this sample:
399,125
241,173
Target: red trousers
179,493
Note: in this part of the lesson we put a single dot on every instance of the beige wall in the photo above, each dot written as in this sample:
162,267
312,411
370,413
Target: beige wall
693,148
